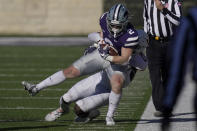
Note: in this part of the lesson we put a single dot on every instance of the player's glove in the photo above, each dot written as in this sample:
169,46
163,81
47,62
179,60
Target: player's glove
104,52
90,49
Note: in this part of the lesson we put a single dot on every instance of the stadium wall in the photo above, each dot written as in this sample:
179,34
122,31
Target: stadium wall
49,17
63,17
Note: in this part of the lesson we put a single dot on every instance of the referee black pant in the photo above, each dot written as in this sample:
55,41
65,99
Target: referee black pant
158,68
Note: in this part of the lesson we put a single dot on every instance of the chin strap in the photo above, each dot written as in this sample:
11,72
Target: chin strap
115,35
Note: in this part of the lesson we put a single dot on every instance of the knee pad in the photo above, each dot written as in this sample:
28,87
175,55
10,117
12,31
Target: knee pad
79,112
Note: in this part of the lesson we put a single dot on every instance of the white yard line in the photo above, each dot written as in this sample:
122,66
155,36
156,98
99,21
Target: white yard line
44,41
25,108
33,56
13,64
19,75
11,81
27,69
16,89
42,120
33,81
25,98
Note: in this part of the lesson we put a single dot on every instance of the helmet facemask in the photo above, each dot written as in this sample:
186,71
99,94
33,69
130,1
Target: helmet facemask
116,27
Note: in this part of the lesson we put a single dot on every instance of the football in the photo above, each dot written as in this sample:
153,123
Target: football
112,50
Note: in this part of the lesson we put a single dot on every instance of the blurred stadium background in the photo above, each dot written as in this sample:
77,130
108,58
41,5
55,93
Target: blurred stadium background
62,17
45,18
136,8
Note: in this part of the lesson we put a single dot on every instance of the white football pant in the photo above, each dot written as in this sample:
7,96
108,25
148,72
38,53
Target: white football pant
90,93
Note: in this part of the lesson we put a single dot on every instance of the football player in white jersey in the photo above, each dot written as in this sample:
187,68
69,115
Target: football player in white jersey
116,32
93,92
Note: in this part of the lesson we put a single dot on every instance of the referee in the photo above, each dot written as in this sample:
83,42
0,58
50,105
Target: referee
160,19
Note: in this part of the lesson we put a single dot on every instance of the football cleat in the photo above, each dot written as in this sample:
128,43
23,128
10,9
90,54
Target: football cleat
92,115
31,88
54,115
110,121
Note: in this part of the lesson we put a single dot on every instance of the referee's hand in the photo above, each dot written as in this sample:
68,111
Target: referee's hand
159,5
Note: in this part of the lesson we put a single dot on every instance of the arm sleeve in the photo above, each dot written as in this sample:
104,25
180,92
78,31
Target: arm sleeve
174,15
145,16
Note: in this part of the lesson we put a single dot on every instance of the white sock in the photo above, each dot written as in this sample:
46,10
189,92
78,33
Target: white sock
52,80
113,103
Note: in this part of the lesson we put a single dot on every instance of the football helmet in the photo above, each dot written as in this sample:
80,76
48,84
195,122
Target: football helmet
117,19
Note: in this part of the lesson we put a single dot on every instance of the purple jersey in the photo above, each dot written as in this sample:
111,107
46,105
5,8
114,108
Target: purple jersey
127,39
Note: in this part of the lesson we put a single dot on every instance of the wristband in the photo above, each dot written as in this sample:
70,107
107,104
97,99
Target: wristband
109,58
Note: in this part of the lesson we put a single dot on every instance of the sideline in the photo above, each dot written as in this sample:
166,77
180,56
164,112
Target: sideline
44,41
184,119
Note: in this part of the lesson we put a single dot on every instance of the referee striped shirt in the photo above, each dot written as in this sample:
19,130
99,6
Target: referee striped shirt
161,23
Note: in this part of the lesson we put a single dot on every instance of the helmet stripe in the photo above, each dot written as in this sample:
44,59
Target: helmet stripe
114,11
117,10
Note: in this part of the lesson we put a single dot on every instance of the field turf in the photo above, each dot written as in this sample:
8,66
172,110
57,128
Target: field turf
19,111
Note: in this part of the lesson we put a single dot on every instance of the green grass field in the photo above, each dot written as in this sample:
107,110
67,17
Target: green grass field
19,111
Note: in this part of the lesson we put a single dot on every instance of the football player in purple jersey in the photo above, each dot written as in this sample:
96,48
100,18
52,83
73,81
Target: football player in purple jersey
93,92
116,31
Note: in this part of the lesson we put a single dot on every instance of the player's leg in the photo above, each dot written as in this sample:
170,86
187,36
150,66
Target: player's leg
83,88
54,79
119,78
87,64
86,109
117,81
